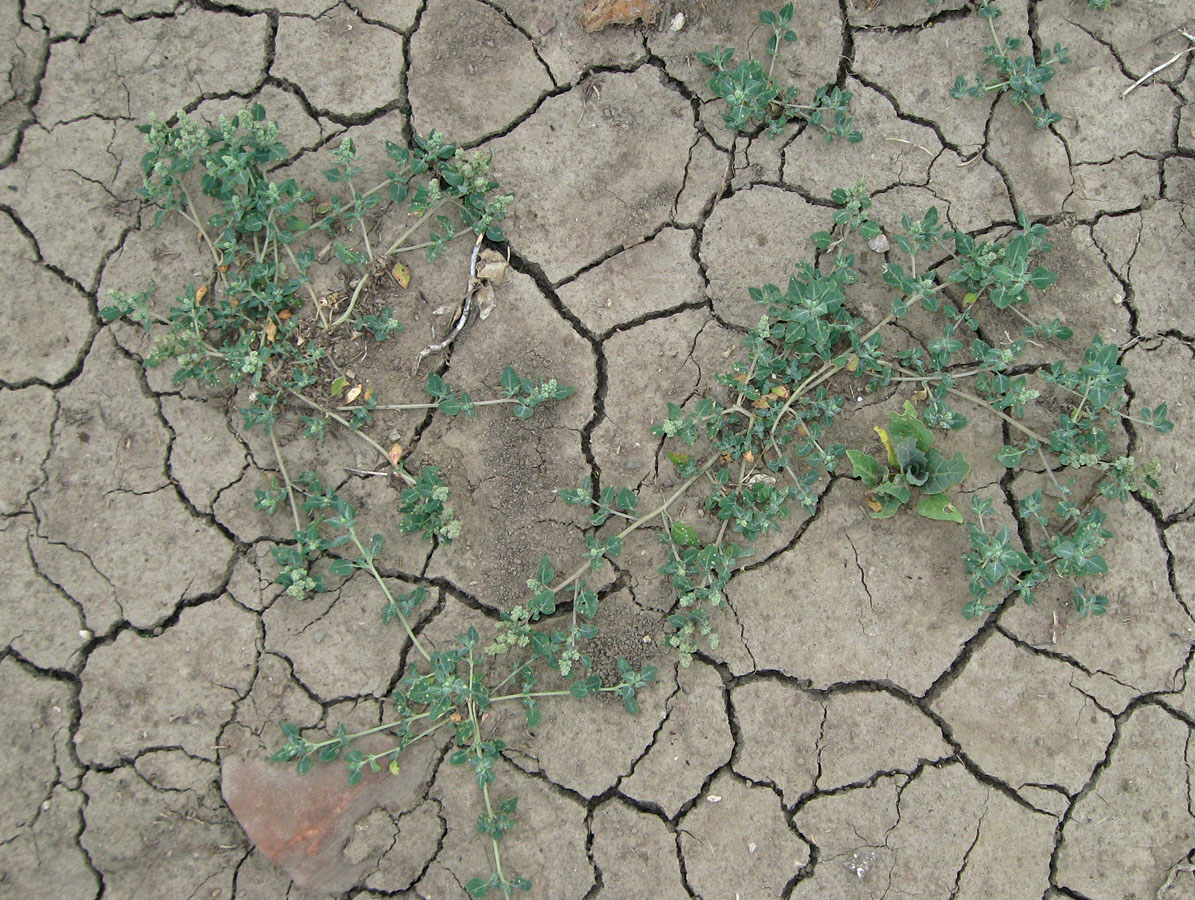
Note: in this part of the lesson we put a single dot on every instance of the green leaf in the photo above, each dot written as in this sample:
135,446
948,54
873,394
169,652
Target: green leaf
583,687
477,887
684,535
510,381
906,424
891,490
533,712
546,571
939,508
945,473
865,467
888,506
343,567
913,464
1009,456
630,702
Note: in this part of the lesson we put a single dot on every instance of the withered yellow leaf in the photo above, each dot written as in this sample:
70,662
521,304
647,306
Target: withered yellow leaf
402,274
888,446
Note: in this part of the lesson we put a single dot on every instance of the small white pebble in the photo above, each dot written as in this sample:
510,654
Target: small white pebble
879,243
714,798
677,23
85,633
751,847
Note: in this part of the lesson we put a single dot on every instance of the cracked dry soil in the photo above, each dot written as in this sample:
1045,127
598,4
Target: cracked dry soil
853,737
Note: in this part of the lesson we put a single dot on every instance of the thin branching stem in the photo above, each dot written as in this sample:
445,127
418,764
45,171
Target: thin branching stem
290,493
311,404
367,559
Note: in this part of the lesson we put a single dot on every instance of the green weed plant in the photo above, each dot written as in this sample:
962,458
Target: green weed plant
754,99
760,443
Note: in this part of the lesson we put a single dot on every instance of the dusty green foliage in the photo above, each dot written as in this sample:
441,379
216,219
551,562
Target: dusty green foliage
911,464
451,690
754,99
769,442
761,441
1023,78
258,321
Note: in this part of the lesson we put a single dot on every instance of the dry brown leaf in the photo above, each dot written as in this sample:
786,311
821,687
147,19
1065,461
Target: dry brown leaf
353,394
394,454
200,293
493,267
271,331
485,301
599,14
875,505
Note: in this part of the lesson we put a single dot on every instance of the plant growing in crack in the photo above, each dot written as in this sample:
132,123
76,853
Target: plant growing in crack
1023,78
766,442
768,436
762,441
260,322
911,463
754,99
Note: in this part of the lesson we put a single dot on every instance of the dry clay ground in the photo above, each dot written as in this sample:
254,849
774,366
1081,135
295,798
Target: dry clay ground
852,737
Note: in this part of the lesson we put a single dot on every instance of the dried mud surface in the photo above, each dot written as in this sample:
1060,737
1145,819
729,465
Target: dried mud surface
852,737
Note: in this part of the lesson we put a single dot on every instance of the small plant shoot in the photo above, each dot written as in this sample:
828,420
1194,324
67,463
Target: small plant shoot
754,100
1022,78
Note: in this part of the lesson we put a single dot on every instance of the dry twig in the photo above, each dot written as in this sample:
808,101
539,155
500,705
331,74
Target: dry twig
1156,69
